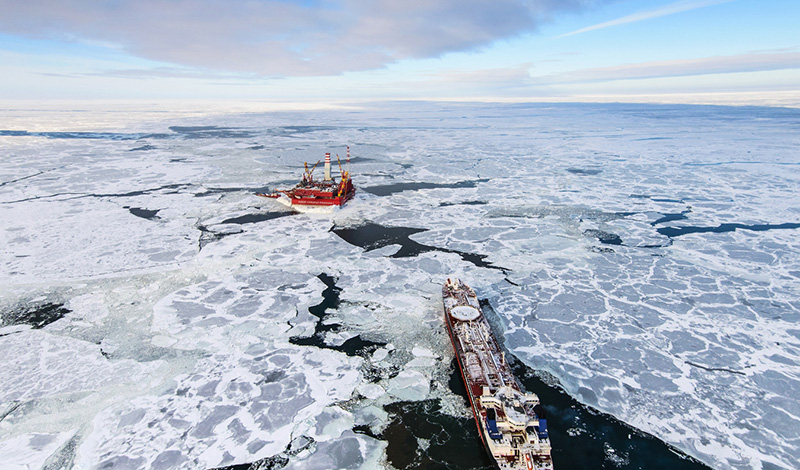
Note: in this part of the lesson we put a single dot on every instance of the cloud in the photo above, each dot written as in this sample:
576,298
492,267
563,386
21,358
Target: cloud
670,9
167,72
281,37
752,62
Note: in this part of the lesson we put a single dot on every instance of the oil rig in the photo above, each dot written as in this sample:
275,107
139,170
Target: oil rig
310,192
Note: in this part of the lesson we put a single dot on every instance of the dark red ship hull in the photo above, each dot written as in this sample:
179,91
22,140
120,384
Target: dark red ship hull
320,198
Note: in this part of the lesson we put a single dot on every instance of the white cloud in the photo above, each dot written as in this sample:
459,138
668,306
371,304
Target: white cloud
281,38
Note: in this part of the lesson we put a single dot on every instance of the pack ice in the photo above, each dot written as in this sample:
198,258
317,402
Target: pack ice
156,314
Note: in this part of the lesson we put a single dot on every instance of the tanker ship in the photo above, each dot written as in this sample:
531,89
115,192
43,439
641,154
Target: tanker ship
309,193
511,423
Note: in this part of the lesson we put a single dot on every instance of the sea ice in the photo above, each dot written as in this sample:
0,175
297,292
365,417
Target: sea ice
645,256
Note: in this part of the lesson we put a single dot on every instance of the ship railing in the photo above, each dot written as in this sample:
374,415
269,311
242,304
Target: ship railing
538,450
530,397
542,449
503,449
490,401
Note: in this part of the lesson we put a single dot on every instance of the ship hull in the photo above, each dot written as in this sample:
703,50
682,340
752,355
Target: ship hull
511,423
466,380
321,201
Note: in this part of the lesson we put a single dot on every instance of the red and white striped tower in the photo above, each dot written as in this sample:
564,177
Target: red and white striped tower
327,166
348,159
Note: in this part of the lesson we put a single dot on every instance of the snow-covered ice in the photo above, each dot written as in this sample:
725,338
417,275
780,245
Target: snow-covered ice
645,256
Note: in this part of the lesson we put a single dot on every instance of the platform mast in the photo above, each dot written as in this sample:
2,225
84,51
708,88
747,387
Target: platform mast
327,166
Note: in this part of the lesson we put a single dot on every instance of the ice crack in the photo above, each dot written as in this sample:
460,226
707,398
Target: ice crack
715,369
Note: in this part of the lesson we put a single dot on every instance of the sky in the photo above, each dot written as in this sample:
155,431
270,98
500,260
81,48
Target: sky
739,51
